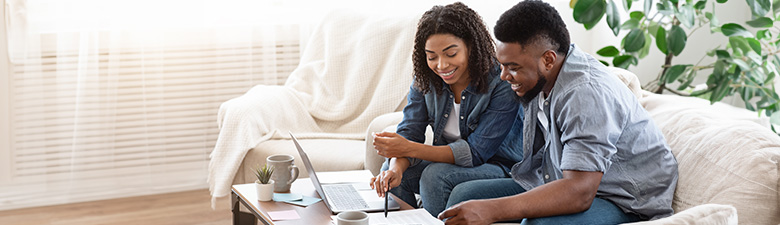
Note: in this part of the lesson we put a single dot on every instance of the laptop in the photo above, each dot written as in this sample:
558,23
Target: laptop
345,196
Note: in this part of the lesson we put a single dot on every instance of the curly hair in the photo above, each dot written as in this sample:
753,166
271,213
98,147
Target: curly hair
462,22
530,21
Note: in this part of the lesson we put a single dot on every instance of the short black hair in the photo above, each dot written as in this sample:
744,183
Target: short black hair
530,21
460,21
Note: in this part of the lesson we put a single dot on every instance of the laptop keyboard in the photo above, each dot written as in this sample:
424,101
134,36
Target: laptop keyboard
344,197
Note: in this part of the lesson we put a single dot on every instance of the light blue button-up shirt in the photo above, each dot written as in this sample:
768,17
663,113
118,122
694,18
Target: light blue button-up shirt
596,124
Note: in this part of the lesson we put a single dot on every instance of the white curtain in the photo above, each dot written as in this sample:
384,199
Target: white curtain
114,98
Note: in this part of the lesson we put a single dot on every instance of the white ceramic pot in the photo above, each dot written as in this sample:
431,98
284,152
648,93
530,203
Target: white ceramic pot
265,192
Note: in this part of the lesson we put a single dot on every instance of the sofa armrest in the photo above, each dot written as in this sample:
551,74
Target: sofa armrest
700,214
386,122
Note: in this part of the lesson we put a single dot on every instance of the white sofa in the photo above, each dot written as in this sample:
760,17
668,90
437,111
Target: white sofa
728,158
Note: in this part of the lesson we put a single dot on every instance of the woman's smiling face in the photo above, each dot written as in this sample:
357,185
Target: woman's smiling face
447,56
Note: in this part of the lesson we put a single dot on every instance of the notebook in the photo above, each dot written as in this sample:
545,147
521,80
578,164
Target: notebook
345,195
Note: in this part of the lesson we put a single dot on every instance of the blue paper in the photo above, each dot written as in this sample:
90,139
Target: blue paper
306,201
283,197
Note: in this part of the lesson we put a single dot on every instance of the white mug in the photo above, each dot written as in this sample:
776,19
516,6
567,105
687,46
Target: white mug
285,172
352,218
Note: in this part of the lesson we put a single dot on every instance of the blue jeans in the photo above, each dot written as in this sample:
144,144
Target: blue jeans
435,181
601,211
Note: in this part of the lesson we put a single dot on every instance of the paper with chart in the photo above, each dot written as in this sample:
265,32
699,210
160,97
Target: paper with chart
404,217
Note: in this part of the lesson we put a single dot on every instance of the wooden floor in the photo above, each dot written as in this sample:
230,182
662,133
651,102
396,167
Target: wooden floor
191,207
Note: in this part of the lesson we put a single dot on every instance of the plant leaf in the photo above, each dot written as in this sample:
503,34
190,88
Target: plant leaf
733,29
755,45
627,4
609,51
646,48
634,40
636,15
714,24
722,54
739,45
688,80
722,1
613,17
648,6
589,12
700,5
747,93
676,40
775,119
720,91
604,62
624,61
686,15
757,59
775,6
652,28
759,8
665,8
660,40
741,63
674,72
763,34
717,72
630,24
761,22
772,73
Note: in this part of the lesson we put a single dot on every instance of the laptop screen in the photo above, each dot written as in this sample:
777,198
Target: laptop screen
310,169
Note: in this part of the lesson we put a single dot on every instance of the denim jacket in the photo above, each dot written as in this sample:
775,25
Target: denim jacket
485,119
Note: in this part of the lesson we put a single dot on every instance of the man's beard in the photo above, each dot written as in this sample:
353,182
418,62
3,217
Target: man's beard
531,94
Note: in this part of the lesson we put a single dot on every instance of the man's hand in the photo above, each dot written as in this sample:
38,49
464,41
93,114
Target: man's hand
385,181
392,145
472,212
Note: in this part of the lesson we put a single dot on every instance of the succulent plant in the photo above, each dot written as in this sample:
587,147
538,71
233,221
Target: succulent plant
263,174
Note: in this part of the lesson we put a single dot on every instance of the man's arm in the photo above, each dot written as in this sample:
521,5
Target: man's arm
572,194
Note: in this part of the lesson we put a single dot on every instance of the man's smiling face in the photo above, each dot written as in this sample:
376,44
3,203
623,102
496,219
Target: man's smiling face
520,67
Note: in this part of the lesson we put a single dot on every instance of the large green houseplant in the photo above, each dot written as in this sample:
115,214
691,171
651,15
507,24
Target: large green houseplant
746,64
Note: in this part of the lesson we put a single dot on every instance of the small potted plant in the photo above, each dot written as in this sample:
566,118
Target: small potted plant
264,184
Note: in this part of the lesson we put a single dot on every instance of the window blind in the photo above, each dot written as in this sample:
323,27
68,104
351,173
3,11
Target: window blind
124,121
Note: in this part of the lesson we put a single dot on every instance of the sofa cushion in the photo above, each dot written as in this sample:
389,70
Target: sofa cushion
325,154
726,156
710,214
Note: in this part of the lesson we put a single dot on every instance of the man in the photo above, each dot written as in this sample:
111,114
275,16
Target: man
592,154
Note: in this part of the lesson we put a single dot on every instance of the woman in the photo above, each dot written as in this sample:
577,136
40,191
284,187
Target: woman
456,90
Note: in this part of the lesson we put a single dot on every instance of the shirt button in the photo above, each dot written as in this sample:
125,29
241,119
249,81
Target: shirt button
461,117
450,96
546,176
463,97
446,115
546,103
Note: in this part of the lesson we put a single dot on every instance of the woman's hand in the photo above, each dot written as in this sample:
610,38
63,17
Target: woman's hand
385,181
392,145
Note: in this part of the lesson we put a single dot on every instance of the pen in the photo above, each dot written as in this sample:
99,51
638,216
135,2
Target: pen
386,197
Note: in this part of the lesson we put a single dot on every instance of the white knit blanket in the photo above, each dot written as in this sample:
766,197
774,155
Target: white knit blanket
354,68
